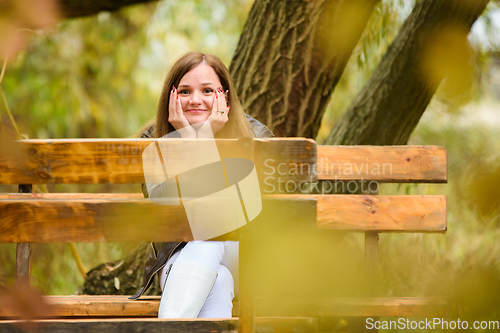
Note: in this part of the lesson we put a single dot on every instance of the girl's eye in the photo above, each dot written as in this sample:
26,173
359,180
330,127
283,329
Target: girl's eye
208,90
183,92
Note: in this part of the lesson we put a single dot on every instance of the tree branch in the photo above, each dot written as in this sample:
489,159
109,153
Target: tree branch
79,8
390,105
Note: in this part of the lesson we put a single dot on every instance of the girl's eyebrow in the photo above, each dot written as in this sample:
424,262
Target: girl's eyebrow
203,84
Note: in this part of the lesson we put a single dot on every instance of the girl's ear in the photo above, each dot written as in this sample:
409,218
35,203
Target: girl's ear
227,96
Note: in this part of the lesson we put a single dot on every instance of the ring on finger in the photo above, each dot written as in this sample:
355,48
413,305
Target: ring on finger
220,111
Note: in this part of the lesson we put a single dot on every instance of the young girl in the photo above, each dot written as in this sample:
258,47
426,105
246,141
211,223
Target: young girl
198,277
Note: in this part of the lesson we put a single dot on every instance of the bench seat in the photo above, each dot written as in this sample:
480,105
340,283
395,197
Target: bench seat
153,325
121,306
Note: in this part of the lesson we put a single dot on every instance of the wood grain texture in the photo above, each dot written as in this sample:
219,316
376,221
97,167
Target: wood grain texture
94,161
105,219
380,213
121,306
69,196
96,220
152,325
397,164
353,307
408,213
94,306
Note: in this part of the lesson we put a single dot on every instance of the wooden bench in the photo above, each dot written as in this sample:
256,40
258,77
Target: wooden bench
63,217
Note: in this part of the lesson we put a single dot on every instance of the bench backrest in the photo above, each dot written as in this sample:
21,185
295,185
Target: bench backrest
294,162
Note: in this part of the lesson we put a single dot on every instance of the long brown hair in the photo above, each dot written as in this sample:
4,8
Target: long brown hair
237,125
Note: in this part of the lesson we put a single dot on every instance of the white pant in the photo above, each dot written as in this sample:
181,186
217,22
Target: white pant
221,257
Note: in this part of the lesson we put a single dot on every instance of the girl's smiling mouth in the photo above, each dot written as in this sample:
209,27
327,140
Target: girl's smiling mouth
196,110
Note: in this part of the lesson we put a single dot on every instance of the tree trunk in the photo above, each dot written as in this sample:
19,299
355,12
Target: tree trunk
291,55
78,8
389,107
120,277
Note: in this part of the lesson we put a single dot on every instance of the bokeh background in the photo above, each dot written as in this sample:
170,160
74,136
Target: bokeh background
101,77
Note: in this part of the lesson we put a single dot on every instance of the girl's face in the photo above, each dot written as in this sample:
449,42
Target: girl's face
196,93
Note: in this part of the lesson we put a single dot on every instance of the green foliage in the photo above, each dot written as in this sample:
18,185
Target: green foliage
77,81
101,76
179,27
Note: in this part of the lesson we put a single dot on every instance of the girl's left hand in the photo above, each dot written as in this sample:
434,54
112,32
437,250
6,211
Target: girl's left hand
219,116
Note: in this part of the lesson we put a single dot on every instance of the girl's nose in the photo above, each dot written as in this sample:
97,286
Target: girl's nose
195,98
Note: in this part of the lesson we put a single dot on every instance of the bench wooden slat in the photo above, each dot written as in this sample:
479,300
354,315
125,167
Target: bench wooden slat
382,213
66,196
94,220
153,325
398,164
101,218
150,325
353,307
94,306
95,161
121,306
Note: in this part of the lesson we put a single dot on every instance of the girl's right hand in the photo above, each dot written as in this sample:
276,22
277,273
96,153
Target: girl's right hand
176,116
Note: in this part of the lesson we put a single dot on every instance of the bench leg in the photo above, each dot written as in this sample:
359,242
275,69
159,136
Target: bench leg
371,261
23,265
371,266
23,255
247,293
